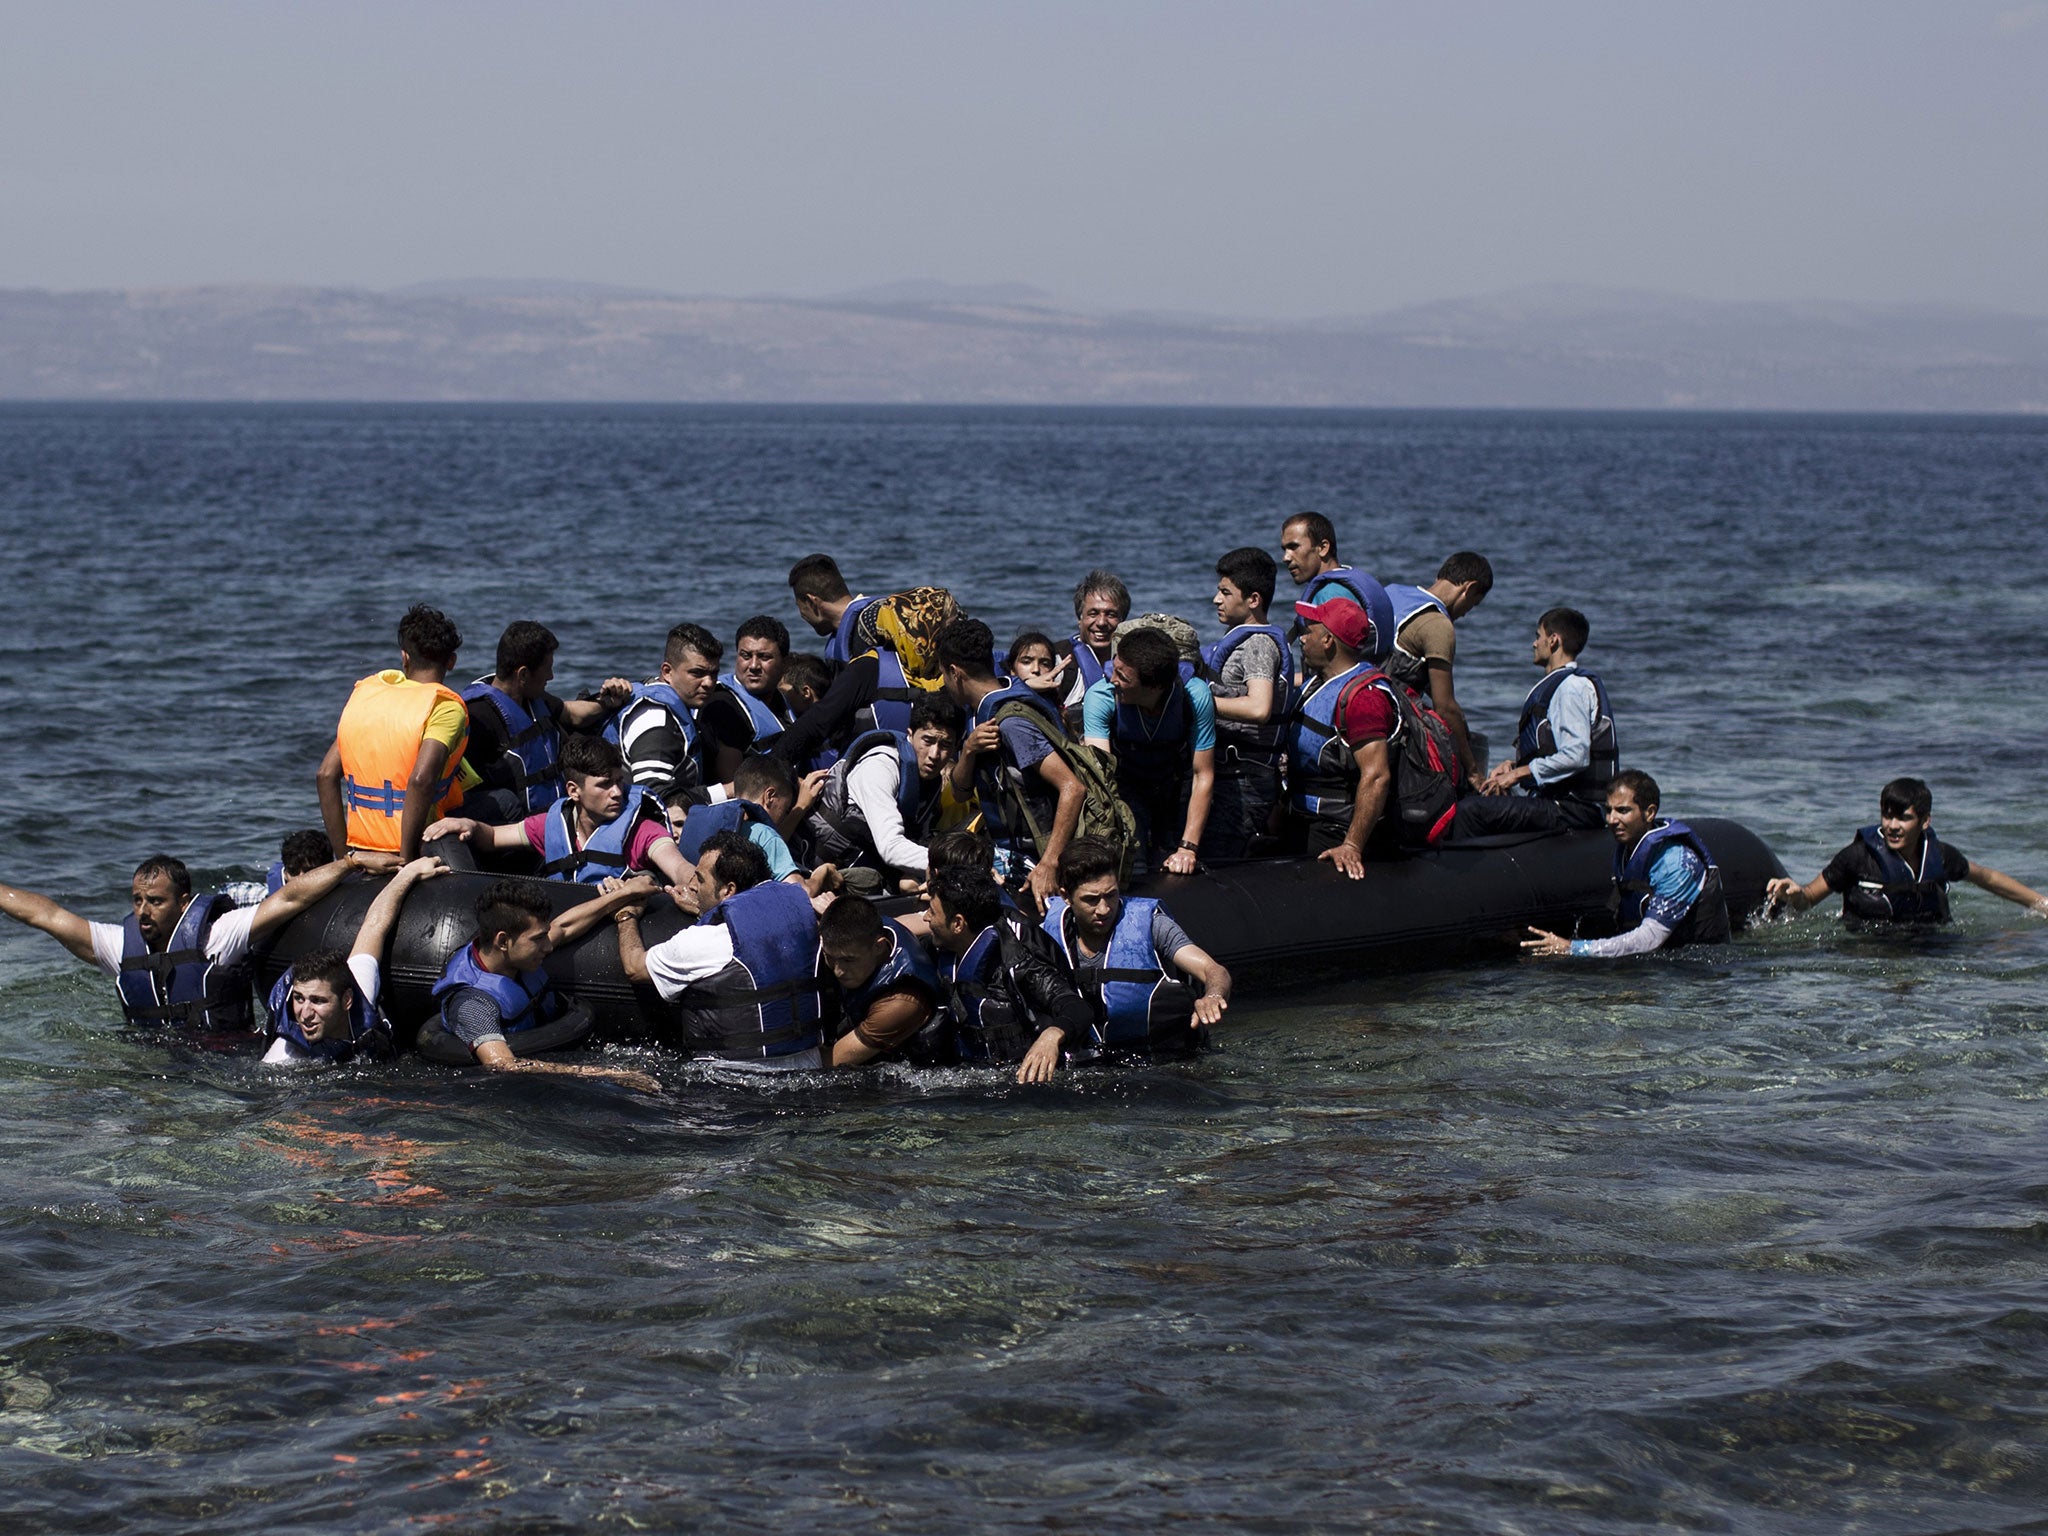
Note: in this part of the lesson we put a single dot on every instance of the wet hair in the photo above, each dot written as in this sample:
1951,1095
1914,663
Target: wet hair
429,634
507,906
1466,566
328,965
1151,654
1088,858
764,627
807,669
969,893
851,922
1569,625
969,645
737,862
1099,580
961,848
692,637
1641,787
760,772
304,850
524,644
162,865
936,709
1029,637
1906,797
592,757
1251,570
1320,529
818,576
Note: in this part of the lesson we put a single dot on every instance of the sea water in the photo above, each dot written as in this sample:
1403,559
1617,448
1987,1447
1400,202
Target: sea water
1745,1240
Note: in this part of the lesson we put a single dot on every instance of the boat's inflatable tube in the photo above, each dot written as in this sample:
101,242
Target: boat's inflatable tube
1287,919
436,1044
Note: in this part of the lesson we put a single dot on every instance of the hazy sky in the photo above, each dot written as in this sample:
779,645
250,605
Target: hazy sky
1257,158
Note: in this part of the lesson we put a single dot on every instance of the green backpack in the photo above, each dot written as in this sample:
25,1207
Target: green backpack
1103,813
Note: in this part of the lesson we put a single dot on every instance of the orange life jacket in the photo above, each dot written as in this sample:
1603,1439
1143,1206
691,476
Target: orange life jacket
379,736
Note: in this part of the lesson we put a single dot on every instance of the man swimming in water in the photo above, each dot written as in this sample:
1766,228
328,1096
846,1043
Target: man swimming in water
1898,871
324,1007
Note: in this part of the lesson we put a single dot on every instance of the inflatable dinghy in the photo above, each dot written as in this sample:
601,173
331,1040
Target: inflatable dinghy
1269,920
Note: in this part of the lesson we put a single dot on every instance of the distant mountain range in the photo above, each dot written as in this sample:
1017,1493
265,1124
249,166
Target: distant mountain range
921,342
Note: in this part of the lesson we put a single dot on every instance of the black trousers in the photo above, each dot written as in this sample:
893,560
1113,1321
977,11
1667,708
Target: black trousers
1487,815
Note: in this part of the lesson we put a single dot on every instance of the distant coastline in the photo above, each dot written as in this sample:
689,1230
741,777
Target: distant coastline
1539,348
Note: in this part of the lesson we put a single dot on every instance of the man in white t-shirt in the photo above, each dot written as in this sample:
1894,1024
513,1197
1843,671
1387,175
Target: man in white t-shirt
178,958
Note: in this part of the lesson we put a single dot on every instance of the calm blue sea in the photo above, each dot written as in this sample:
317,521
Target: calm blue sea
1748,1241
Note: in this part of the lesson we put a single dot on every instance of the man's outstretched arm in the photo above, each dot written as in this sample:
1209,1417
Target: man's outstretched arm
60,923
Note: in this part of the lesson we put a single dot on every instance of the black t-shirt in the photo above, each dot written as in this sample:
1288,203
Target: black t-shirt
1856,864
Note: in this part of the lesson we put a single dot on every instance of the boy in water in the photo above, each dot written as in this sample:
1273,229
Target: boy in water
1898,871
888,985
324,1007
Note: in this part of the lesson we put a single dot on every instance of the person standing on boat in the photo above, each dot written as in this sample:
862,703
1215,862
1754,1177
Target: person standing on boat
1898,871
1667,889
1426,641
1566,749
180,958
398,749
1162,729
1247,673
516,727
1308,547
746,711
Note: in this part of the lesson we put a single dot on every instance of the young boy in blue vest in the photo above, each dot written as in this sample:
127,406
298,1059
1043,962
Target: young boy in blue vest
1898,870
1247,673
1134,964
570,836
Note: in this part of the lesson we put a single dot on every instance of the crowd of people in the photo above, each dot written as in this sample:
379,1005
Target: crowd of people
776,795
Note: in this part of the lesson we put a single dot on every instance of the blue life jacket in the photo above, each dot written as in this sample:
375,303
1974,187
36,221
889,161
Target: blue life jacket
1407,602
1705,921
179,985
608,853
369,1033
532,764
1369,595
1086,667
995,772
705,822
987,1025
1153,756
1137,994
906,965
1903,894
1322,775
894,694
1535,737
660,696
765,1003
767,724
839,649
524,1001
274,881
1217,652
839,832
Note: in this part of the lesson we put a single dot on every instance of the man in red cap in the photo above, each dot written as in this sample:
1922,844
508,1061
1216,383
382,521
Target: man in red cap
1339,772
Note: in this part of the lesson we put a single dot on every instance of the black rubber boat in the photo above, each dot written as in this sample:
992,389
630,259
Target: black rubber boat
1269,920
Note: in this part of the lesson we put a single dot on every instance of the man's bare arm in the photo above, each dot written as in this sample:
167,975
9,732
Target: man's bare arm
60,923
420,802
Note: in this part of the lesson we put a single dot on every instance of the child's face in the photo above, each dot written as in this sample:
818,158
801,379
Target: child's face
1034,666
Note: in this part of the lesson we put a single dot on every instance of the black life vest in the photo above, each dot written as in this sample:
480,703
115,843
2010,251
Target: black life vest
1902,893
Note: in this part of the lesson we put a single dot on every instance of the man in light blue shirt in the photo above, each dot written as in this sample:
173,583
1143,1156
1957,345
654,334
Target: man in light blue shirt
1162,728
1566,749
1667,889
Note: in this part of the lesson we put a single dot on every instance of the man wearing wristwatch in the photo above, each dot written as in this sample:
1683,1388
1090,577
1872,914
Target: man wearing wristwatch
1162,728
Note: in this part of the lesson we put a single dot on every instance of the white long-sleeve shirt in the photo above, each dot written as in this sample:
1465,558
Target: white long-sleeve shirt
872,784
